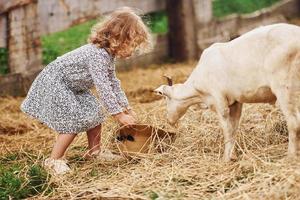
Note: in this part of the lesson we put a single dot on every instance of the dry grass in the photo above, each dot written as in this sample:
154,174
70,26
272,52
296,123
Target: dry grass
191,169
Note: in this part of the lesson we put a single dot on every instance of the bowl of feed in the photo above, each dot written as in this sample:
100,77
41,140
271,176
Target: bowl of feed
139,139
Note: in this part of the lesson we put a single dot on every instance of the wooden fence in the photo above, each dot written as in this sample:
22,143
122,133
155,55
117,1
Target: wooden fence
23,22
192,28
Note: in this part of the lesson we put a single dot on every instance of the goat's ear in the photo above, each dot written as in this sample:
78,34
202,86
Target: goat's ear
163,90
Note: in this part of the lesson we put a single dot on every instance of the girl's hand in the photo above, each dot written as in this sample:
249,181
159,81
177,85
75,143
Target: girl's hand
131,112
125,119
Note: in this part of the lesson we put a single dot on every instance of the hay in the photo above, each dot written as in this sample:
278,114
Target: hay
190,169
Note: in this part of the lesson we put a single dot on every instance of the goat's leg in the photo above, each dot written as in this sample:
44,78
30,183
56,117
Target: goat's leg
288,104
229,120
294,141
294,135
235,116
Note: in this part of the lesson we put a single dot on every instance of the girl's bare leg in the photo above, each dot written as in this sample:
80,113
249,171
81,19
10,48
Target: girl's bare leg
94,137
63,141
94,140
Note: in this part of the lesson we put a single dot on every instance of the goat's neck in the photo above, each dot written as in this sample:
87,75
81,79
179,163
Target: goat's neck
186,93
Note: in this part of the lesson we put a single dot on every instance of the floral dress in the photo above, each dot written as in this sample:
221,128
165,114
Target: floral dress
60,96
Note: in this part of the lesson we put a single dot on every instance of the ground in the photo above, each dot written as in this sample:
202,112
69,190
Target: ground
191,168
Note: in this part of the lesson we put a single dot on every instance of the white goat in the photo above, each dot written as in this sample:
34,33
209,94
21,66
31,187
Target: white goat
261,66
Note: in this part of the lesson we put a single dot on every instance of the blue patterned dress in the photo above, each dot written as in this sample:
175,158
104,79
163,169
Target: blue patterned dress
60,96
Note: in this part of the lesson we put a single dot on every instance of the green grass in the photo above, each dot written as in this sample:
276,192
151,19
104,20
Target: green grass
152,195
3,61
222,8
20,179
61,42
157,22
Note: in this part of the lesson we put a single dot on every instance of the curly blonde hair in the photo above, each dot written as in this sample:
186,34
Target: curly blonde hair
121,33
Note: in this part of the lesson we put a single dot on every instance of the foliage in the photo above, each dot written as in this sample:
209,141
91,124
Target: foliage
3,61
225,7
61,42
158,22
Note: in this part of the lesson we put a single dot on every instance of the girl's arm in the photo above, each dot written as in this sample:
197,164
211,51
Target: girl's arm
99,69
116,86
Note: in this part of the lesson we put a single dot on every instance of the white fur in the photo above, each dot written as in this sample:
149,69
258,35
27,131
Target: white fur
261,66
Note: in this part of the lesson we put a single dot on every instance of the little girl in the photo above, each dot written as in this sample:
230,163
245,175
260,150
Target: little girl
60,96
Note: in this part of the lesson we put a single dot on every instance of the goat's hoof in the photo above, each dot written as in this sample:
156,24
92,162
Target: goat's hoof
232,158
292,155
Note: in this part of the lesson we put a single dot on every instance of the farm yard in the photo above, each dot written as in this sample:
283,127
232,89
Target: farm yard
191,168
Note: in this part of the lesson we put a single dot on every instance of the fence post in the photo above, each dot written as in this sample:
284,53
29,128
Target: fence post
182,33
203,18
203,11
24,46
3,31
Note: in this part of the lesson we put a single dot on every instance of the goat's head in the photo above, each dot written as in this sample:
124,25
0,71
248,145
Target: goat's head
176,102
